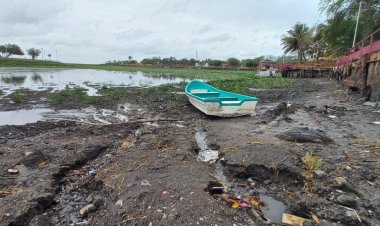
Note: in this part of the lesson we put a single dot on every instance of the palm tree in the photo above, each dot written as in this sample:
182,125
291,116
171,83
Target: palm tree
297,40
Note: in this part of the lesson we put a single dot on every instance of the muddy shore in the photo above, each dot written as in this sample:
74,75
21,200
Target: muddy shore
146,171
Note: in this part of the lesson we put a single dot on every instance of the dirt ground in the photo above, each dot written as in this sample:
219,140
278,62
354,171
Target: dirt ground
146,171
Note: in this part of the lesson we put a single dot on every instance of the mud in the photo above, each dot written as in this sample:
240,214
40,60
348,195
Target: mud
146,170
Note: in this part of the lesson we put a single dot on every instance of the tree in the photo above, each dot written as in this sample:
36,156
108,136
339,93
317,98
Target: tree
184,62
252,62
318,46
233,62
49,55
10,49
297,40
33,52
214,63
341,22
193,62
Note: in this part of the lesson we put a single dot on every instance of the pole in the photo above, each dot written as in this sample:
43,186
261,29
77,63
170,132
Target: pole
357,24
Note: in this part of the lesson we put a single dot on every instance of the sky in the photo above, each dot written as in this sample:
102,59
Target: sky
95,31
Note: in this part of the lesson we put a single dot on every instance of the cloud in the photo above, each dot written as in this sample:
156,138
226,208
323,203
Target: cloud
93,31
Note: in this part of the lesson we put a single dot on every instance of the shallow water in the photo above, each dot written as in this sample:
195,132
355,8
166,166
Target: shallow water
89,79
89,115
22,117
205,154
273,209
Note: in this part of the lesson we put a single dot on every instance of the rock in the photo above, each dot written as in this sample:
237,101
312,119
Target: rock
145,183
119,203
347,200
68,209
87,209
98,201
40,220
320,173
266,182
304,135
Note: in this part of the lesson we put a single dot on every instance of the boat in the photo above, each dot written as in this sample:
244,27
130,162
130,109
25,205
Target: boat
215,102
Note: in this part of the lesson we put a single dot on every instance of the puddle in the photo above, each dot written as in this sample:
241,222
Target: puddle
272,210
86,115
89,79
22,117
205,154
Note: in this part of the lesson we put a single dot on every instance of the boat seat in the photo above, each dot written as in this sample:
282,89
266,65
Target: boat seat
199,91
231,102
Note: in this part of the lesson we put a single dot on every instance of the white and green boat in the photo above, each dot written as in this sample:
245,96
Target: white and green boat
213,101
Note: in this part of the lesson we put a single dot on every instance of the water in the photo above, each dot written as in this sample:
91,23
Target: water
205,154
21,117
89,115
273,208
89,79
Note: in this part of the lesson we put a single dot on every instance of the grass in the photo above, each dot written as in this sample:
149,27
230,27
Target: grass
311,164
11,191
70,95
233,81
114,94
242,85
18,96
186,73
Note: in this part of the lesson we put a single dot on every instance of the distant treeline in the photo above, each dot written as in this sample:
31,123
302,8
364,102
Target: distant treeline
185,62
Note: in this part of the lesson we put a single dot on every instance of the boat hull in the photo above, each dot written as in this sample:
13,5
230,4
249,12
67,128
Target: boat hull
215,109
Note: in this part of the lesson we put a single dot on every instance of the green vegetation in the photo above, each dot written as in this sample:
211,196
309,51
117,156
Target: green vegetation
334,37
341,23
188,73
113,94
297,40
10,49
233,62
73,95
242,85
33,52
18,96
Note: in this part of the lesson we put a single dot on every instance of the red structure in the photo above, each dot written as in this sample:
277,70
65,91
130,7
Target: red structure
367,46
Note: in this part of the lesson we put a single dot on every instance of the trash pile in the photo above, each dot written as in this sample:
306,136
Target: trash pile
258,204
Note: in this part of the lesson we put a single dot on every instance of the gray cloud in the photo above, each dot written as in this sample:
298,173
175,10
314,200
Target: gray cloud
93,31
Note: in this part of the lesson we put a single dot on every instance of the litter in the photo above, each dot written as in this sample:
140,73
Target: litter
236,203
119,203
13,171
315,218
332,116
292,219
357,215
209,156
376,122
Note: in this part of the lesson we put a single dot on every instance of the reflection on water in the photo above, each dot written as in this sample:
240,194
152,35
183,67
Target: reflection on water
58,79
15,80
36,78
